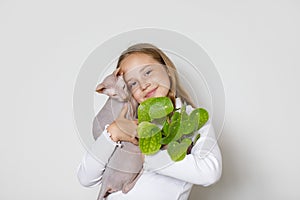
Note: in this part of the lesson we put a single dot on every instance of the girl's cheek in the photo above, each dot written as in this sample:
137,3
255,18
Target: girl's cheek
136,96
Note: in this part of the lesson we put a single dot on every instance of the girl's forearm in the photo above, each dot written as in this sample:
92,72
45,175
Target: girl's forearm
92,166
202,167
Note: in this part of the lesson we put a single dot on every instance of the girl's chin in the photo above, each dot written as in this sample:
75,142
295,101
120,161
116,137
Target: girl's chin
153,96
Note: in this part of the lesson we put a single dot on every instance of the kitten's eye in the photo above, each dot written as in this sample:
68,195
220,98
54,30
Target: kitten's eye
124,87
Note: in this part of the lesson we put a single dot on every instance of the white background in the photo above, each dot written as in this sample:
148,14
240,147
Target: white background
254,45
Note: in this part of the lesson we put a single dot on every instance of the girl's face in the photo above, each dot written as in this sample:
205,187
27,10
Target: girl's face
145,76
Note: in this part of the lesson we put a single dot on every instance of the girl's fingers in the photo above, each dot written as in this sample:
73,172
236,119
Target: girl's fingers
134,141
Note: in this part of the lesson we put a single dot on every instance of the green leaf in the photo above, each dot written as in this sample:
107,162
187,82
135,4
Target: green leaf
186,125
196,138
177,151
154,108
149,137
199,116
176,117
143,114
165,129
173,131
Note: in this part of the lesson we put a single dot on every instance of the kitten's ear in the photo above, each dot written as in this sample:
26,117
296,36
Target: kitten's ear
100,88
118,72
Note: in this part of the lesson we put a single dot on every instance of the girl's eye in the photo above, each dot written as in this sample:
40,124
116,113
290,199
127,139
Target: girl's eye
132,84
148,72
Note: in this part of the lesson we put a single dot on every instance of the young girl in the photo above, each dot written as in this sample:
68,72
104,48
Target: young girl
148,72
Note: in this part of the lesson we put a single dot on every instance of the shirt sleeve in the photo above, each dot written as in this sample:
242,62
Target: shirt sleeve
202,167
92,166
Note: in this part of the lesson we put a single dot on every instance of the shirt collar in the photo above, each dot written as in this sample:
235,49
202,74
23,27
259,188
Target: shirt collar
178,103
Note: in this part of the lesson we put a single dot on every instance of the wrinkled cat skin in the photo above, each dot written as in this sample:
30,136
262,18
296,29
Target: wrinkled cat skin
125,165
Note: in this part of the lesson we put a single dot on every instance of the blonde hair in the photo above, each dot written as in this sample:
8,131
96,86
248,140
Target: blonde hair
176,89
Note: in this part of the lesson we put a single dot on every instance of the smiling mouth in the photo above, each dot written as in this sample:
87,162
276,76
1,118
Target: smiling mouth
149,94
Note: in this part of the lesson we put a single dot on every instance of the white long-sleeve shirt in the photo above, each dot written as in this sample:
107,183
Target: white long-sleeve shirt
162,178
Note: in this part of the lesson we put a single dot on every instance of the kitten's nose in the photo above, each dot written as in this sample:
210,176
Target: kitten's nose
124,96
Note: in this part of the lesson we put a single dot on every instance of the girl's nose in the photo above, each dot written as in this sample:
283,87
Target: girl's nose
145,85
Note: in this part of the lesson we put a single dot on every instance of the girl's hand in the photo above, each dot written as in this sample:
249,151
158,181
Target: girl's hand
123,129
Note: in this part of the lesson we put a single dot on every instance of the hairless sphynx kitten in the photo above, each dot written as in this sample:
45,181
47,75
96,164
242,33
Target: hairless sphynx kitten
125,165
